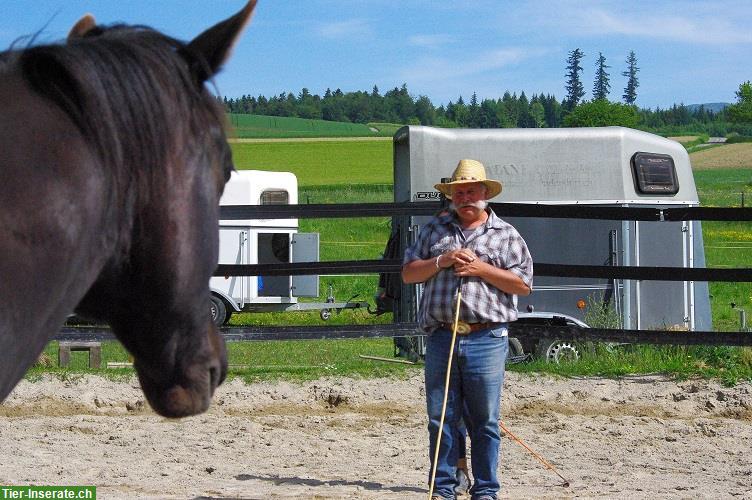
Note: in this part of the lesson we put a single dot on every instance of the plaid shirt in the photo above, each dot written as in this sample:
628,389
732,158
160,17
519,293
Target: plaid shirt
495,242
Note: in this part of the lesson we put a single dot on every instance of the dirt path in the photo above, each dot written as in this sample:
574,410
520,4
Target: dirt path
342,438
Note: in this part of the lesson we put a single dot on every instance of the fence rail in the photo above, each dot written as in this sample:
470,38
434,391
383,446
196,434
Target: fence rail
561,332
322,210
654,273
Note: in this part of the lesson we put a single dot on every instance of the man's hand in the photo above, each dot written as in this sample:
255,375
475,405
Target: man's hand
473,267
466,263
456,258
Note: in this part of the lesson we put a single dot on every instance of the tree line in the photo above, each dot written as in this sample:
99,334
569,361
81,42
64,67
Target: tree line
398,106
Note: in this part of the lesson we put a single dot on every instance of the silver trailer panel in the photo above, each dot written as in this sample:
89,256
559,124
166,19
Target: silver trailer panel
573,165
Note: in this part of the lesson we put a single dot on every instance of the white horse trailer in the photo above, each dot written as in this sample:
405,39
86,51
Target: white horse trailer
608,166
265,241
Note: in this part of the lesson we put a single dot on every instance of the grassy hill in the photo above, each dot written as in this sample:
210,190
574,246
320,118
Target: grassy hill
260,126
342,163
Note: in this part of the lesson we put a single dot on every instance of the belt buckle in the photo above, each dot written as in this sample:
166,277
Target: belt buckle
463,328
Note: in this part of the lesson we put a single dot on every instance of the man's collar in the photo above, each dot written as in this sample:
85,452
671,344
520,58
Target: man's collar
493,220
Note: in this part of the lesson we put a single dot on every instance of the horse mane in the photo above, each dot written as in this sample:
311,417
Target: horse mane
131,93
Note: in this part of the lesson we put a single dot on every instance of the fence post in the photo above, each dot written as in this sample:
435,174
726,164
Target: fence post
742,320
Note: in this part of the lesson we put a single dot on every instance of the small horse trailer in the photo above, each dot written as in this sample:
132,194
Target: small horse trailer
608,166
266,241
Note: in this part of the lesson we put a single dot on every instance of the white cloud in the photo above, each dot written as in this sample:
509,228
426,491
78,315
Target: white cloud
701,29
344,29
430,41
432,69
714,23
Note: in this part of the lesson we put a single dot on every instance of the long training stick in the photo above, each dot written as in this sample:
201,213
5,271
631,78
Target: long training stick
542,460
446,392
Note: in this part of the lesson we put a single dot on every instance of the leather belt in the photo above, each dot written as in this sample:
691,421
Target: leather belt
466,328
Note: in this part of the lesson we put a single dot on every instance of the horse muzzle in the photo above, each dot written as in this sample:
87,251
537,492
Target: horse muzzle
188,389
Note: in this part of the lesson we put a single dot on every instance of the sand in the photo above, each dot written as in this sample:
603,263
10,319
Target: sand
637,437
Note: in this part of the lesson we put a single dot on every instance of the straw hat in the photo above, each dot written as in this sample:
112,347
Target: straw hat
469,171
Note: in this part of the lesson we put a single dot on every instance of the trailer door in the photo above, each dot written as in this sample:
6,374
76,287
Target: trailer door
233,249
305,248
661,304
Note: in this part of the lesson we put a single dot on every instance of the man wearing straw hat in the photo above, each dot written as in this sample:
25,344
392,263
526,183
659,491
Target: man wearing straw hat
472,264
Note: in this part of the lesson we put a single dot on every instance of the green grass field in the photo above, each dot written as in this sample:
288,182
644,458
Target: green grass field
724,187
727,244
260,126
289,360
347,165
386,128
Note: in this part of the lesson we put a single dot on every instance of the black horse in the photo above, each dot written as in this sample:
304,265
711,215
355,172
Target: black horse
113,157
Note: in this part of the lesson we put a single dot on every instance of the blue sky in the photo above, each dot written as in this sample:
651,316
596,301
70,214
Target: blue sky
687,51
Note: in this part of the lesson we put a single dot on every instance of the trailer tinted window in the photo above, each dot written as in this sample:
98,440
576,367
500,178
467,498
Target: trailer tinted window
654,174
273,248
274,197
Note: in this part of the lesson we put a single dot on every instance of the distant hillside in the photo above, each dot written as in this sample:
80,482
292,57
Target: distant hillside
261,126
715,107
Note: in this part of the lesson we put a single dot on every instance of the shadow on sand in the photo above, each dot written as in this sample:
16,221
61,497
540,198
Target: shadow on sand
300,481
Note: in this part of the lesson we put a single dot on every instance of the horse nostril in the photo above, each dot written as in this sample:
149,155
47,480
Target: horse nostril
213,375
216,375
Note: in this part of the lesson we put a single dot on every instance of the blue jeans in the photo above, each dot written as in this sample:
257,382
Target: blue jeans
476,381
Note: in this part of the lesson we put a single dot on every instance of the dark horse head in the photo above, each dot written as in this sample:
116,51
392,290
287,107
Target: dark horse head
113,157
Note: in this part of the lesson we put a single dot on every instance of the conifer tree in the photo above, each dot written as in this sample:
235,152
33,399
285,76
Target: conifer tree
630,91
602,85
574,88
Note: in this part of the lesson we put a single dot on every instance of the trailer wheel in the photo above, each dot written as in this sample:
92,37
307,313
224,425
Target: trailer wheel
325,314
516,353
218,311
558,351
515,347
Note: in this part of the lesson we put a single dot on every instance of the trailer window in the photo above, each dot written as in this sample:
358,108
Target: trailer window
654,173
274,197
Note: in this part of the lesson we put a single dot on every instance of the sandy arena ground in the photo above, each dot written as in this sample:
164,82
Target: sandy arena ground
639,437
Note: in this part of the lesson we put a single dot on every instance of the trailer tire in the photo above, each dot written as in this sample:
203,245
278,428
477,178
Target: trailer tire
218,311
515,347
557,351
516,353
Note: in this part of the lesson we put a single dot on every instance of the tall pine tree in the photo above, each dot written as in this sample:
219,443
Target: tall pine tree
630,91
574,88
602,85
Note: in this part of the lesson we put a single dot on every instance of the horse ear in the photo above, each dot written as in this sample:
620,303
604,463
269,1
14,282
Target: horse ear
208,51
83,26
